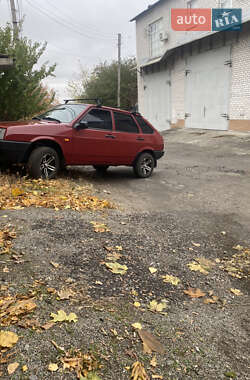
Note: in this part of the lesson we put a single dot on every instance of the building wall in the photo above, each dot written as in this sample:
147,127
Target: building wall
240,90
163,10
239,108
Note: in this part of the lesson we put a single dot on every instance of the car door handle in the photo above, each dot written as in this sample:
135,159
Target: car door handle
110,137
140,138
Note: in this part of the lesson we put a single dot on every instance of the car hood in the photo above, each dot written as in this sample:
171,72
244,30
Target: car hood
27,123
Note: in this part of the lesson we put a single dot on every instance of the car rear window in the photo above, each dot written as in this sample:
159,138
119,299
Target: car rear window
144,125
125,123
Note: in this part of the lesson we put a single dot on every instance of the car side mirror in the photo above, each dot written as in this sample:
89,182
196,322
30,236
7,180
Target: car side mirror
83,124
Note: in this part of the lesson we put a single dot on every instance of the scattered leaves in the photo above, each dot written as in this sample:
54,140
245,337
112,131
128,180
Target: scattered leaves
201,264
239,265
7,235
100,227
84,365
116,268
18,192
61,316
171,279
13,308
194,293
138,372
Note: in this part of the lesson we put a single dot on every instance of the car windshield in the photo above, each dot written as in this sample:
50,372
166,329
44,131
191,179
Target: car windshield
64,113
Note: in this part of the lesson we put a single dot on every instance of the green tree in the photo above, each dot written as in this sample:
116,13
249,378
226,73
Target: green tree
21,91
102,83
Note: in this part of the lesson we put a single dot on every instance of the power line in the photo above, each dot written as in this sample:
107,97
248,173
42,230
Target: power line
60,22
90,27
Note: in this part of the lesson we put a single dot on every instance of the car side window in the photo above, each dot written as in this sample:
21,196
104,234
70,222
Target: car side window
125,123
144,126
99,119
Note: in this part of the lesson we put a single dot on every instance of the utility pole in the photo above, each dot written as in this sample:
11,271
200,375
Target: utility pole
119,70
14,18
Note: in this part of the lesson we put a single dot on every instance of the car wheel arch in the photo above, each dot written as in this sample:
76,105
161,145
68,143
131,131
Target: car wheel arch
45,142
145,151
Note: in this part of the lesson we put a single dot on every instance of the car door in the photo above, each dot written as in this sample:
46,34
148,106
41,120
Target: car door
94,145
128,138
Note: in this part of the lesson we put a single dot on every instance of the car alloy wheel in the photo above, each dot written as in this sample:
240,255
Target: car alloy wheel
48,165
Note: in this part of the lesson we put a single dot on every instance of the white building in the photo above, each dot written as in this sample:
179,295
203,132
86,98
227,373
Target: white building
193,79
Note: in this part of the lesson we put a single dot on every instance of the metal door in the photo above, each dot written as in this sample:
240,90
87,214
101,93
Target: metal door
208,76
157,99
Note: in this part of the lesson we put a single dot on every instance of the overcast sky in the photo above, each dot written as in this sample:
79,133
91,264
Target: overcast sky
78,32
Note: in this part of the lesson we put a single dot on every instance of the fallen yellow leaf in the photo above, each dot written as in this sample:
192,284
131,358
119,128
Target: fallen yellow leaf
158,307
196,244
153,362
137,325
8,339
61,316
194,293
138,372
12,368
100,227
171,279
24,368
137,304
150,343
236,292
52,367
117,268
55,265
152,270
197,267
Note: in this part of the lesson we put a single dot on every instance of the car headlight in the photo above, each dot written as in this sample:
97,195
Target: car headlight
2,133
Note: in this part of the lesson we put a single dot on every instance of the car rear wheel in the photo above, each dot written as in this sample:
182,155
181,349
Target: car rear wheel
144,165
101,168
43,163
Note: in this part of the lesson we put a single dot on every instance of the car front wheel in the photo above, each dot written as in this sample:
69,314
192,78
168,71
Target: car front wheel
144,165
43,163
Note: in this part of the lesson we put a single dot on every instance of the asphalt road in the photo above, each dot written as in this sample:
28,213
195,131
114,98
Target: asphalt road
202,171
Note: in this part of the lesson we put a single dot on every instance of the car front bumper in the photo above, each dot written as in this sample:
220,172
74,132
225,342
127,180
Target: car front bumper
13,152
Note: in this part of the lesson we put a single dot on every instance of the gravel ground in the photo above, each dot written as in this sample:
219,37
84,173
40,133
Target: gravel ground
164,222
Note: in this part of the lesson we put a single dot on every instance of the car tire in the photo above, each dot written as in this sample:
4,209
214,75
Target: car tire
144,165
43,163
101,168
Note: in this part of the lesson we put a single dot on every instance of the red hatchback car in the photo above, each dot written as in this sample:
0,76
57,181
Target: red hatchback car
81,134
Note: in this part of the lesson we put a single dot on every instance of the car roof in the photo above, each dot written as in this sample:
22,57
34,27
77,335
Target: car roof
103,107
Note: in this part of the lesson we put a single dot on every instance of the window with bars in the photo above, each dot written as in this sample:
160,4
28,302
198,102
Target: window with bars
155,43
